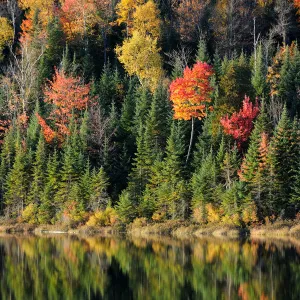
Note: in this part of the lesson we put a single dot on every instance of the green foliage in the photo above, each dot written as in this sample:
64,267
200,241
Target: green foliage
125,208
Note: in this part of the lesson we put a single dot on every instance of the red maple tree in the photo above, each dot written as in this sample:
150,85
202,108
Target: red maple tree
67,95
240,124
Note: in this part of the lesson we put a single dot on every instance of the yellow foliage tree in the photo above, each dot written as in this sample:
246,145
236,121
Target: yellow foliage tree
6,33
125,10
140,53
146,20
140,56
44,7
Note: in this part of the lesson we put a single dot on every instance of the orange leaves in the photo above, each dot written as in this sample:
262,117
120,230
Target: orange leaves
240,124
49,134
191,93
68,96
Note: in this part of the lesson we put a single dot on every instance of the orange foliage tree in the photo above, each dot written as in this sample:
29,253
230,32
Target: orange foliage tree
191,94
67,96
79,16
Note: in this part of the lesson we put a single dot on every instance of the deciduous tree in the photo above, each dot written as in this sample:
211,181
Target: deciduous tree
191,94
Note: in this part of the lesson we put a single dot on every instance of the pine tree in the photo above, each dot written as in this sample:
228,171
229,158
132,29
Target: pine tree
85,185
54,49
99,197
15,186
202,53
204,182
68,176
280,162
166,190
48,206
259,72
33,130
125,208
7,160
37,183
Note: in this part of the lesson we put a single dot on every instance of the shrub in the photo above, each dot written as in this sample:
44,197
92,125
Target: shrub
105,217
249,214
213,214
29,214
139,222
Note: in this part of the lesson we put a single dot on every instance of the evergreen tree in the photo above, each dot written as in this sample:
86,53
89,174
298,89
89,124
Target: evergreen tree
166,190
280,163
125,208
259,71
48,206
37,184
15,186
99,197
202,53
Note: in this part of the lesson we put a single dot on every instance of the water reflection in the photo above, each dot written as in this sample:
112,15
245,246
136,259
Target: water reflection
67,267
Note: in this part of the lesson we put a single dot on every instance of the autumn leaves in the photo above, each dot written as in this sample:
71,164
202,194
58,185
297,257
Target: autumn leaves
139,53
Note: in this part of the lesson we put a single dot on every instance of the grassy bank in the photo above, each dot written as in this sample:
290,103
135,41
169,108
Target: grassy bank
178,229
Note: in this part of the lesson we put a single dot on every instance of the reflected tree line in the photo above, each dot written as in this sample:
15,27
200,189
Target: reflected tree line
111,268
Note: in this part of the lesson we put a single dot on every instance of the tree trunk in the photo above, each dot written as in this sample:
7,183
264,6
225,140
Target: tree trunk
191,141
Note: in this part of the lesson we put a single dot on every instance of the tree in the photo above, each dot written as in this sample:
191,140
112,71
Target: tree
140,56
67,96
6,33
48,207
259,72
99,197
281,160
250,162
140,53
190,95
189,15
37,183
231,25
240,124
166,192
146,20
125,10
15,187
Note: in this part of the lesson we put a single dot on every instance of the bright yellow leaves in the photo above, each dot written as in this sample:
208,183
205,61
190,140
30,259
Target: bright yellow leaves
6,33
140,56
125,10
146,20
140,53
45,8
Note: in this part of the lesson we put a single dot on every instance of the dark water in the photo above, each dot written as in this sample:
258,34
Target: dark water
66,267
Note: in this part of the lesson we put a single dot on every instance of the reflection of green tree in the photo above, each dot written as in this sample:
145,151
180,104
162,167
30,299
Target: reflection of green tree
105,268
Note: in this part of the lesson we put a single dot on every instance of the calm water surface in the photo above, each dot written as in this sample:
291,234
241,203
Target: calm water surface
66,267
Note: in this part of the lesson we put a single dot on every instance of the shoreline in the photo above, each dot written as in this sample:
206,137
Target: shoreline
173,229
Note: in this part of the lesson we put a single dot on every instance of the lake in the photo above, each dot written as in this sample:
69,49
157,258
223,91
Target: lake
70,267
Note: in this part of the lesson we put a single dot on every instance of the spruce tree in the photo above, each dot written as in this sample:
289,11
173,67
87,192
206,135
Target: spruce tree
259,71
99,197
48,206
37,183
202,53
166,190
280,164
15,186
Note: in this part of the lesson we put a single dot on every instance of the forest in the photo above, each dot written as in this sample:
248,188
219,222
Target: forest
114,112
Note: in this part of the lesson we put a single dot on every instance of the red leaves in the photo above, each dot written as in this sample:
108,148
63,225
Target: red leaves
240,124
68,96
191,94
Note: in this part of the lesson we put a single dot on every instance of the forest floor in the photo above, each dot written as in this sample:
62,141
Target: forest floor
174,229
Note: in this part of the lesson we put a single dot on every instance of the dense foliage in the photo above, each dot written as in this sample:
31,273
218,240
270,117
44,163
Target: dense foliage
97,99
